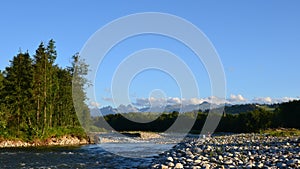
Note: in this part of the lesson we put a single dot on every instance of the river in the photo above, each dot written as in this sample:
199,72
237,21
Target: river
88,156
125,153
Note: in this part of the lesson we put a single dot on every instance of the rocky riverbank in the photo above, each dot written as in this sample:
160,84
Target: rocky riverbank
112,137
62,141
233,151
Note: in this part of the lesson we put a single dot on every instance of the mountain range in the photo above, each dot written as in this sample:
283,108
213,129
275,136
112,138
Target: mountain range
204,107
168,108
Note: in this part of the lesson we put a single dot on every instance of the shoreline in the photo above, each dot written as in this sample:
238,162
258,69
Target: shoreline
71,140
66,140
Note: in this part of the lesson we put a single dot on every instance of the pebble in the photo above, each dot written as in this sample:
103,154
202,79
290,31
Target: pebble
163,166
197,161
170,159
233,151
189,160
260,165
171,164
228,162
178,165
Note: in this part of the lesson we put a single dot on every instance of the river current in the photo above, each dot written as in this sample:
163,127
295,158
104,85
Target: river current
125,153
88,156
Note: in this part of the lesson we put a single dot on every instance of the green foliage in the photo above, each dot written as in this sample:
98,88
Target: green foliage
289,114
17,91
36,96
3,114
1,81
236,109
119,122
96,129
79,71
62,131
258,120
281,132
3,122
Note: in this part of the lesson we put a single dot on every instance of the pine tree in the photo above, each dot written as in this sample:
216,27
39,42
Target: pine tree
79,71
3,118
63,98
36,95
1,86
52,80
40,85
18,91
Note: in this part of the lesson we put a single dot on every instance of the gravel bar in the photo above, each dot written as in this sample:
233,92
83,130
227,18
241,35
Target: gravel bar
232,151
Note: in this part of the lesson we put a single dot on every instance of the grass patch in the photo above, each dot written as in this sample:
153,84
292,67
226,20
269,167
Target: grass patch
33,135
62,131
267,108
96,129
281,132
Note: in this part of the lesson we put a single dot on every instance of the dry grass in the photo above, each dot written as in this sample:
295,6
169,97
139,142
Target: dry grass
282,132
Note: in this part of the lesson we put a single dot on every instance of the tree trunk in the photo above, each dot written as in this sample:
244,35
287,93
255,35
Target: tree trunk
45,95
38,108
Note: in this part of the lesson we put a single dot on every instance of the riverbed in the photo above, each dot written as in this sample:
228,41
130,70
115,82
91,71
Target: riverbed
115,151
88,156
229,151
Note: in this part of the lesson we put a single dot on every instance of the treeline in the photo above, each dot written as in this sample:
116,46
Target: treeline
36,95
286,115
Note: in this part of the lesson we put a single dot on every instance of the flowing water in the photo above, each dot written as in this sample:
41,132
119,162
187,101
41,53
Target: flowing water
89,156
124,153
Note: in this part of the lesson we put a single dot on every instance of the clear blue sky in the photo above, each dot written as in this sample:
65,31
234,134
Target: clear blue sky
258,41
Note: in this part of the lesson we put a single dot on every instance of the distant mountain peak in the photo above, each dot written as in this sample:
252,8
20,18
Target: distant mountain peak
168,108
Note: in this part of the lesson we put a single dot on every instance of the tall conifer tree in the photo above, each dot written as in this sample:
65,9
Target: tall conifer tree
18,90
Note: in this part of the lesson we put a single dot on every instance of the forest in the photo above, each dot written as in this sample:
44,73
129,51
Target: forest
237,120
36,95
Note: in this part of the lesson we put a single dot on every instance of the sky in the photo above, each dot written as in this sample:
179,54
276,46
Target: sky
257,43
